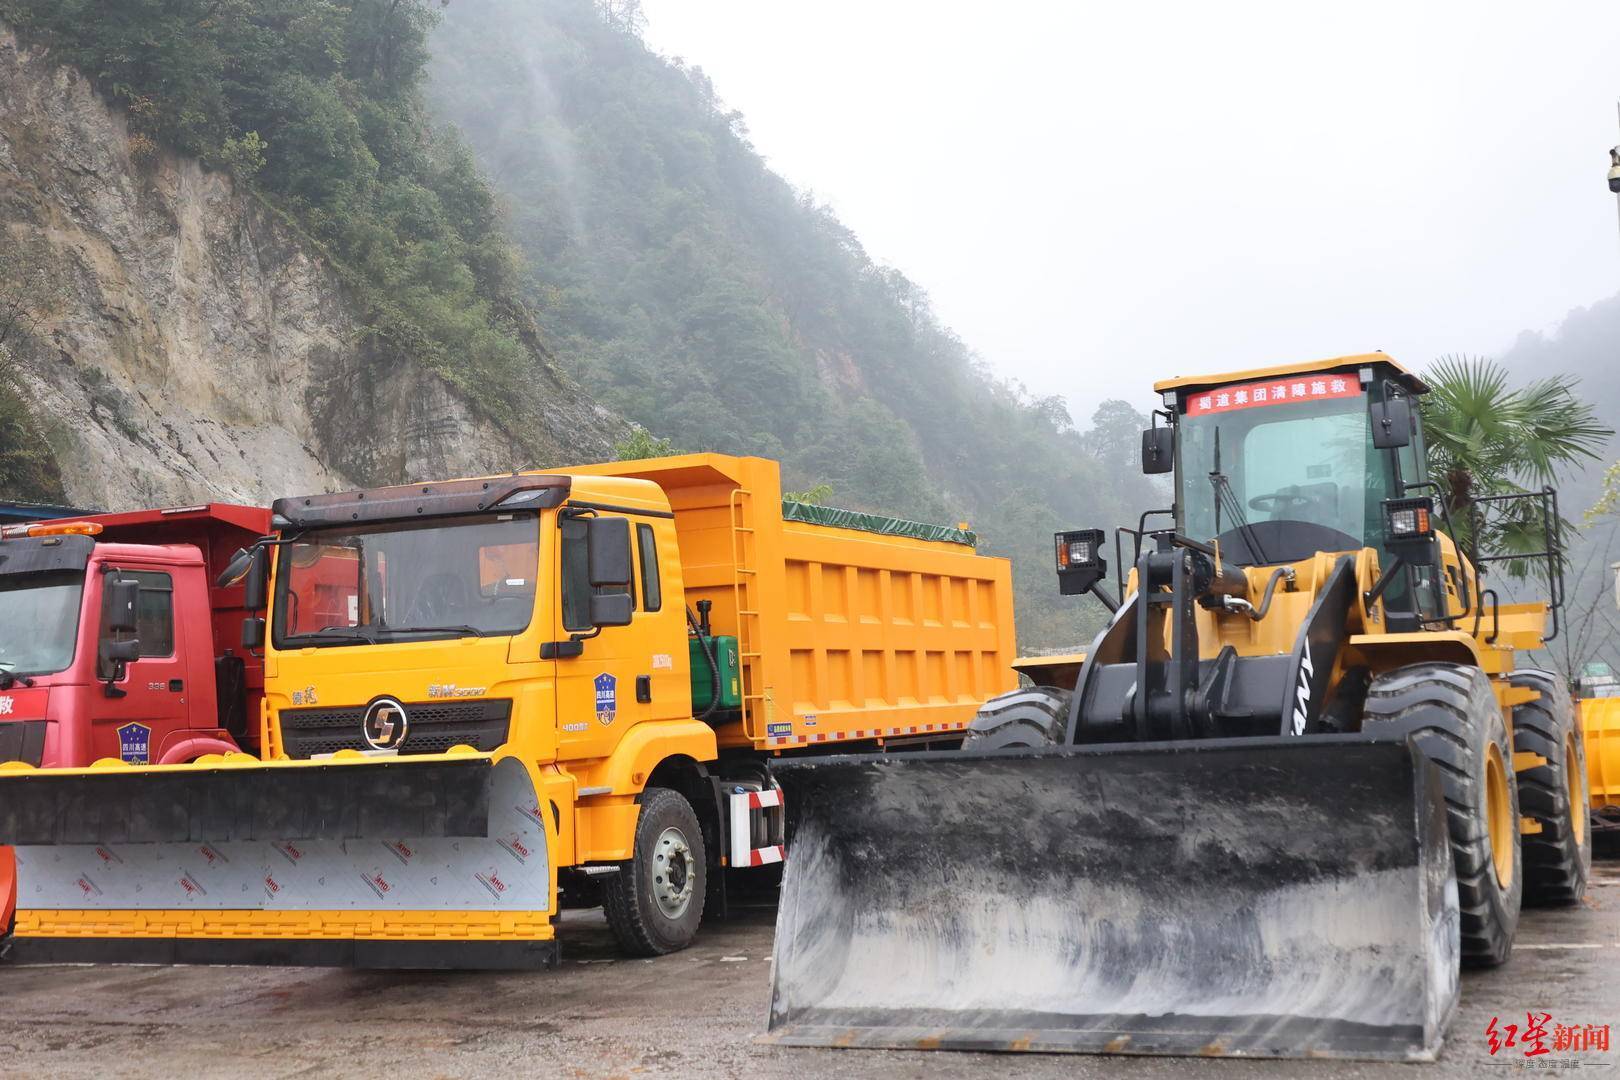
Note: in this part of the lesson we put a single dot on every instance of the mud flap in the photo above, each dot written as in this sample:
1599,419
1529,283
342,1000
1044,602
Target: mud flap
375,864
1275,897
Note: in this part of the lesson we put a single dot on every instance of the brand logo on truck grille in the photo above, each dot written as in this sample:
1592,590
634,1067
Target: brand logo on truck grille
435,726
385,724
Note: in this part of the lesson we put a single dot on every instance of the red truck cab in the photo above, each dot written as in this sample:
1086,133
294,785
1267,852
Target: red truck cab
116,643
73,690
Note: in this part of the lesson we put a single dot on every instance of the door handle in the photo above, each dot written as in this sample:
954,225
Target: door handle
644,689
176,686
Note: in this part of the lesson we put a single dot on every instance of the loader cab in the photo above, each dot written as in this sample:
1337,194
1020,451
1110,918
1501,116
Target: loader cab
1275,466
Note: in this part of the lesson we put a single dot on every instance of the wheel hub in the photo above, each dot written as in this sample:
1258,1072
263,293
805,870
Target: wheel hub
1499,815
672,873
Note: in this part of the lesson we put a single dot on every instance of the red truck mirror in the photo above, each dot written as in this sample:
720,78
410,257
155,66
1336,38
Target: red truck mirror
123,594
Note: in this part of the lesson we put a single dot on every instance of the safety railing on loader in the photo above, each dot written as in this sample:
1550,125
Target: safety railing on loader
1546,517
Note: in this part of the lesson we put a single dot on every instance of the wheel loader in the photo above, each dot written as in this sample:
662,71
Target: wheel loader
1291,787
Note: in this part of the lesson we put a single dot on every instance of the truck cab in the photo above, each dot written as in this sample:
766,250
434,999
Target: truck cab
115,644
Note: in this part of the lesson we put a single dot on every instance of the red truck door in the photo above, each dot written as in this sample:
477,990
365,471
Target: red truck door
152,690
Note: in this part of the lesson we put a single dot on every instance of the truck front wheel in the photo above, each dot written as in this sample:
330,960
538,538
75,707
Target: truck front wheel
655,902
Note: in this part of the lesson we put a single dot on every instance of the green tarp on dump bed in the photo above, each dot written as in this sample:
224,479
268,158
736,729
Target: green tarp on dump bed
875,523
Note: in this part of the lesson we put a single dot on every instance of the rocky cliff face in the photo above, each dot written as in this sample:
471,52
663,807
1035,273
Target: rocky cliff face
190,344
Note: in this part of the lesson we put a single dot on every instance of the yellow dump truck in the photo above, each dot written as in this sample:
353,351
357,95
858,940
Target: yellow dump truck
1599,707
479,691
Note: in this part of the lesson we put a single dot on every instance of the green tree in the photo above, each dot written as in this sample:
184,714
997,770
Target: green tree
643,444
1486,438
317,105
816,495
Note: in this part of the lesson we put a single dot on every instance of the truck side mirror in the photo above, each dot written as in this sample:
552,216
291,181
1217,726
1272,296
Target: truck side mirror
236,569
121,652
257,582
1391,422
607,547
252,633
1158,450
123,594
612,609
250,568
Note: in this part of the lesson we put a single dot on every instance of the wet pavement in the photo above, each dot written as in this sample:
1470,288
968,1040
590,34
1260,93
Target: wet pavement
697,1013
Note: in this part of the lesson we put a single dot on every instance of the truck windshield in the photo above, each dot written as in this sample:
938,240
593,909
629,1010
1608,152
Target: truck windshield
407,581
1278,469
40,623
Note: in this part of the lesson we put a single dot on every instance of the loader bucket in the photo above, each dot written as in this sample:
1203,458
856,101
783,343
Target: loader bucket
439,862
1257,897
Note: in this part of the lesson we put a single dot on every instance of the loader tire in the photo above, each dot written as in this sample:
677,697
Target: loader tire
1452,714
1027,717
1558,859
655,902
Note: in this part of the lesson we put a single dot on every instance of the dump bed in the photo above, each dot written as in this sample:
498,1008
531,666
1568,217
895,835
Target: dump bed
850,626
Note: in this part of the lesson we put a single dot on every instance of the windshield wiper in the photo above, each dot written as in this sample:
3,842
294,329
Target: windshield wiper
335,634
9,676
1223,487
461,628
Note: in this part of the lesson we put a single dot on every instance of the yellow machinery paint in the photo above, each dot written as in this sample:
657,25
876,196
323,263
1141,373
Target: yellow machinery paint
845,636
1600,728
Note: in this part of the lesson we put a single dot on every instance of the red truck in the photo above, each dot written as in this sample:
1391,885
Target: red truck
115,641
80,679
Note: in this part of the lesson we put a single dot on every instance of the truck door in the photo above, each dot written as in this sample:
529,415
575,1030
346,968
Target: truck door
150,692
607,687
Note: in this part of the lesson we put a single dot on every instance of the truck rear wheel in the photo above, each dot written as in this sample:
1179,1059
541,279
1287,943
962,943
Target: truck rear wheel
655,902
1557,859
1452,713
1030,717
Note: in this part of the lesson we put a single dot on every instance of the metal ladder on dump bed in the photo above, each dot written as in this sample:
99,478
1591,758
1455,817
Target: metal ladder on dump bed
745,594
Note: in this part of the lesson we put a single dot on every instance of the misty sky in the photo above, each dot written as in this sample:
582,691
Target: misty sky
1096,194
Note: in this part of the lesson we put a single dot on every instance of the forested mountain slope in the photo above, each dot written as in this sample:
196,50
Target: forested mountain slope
240,262
700,294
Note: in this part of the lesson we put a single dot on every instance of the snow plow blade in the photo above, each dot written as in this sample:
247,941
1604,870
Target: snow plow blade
1256,897
438,862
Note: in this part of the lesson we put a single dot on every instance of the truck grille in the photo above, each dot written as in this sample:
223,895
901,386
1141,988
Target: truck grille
23,740
435,726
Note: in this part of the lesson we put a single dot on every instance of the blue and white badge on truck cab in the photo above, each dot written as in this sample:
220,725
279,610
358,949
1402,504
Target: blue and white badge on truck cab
135,744
607,698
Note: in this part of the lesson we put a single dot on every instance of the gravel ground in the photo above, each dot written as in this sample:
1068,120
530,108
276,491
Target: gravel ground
697,1013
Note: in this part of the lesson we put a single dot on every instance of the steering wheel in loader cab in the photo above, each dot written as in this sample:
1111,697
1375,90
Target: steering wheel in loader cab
1283,501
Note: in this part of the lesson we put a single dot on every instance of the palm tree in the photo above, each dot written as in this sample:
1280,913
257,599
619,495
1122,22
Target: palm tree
1486,438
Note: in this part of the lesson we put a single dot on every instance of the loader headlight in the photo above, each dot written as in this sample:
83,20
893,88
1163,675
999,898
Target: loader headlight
1080,563
1078,550
1408,519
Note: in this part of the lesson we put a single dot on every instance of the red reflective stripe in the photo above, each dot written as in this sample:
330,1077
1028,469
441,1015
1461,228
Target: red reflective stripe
764,855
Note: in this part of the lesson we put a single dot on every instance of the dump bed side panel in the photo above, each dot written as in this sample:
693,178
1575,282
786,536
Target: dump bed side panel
887,635
845,634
